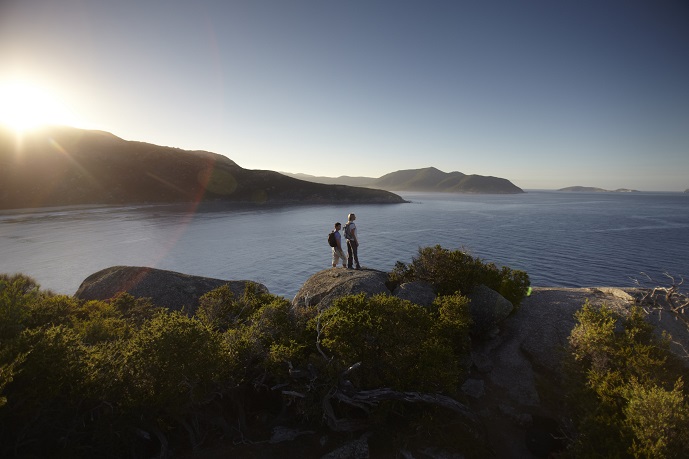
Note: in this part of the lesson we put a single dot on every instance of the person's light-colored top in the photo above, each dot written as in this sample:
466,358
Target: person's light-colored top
338,238
352,231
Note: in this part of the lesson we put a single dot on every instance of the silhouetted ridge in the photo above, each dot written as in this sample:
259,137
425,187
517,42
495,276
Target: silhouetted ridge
431,179
67,166
428,179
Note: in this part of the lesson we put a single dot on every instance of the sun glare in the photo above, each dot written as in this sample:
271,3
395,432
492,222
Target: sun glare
24,106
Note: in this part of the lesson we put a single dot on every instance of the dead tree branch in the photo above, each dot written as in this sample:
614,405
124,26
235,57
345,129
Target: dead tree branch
366,399
665,299
319,330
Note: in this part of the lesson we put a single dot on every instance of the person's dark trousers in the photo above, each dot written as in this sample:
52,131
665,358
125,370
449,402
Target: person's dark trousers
352,248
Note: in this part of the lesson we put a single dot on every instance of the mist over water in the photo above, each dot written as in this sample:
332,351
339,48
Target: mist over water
559,239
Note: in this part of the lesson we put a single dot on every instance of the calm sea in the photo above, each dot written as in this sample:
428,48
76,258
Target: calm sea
560,239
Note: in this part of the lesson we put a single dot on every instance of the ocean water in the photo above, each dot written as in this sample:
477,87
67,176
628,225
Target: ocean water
559,239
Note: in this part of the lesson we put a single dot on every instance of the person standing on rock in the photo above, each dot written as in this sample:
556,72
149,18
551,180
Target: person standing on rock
352,242
338,253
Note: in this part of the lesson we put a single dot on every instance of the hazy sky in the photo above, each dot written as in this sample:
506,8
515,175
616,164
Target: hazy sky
544,93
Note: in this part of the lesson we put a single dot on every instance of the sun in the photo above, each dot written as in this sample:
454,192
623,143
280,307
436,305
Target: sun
25,106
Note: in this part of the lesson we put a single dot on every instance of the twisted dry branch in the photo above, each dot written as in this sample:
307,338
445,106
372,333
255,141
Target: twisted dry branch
365,399
666,299
369,398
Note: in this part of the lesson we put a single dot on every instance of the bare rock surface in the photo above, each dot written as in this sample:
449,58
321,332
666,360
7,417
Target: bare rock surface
326,286
175,291
488,308
521,365
417,292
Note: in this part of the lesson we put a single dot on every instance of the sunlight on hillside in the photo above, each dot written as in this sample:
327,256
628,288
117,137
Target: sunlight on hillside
25,106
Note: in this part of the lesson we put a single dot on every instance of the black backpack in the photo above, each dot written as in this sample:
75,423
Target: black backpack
332,242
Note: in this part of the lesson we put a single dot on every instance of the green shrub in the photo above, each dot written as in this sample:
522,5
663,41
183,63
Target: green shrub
264,336
220,310
399,344
452,321
451,271
47,310
658,420
17,293
171,363
97,377
7,372
44,394
134,310
100,328
625,390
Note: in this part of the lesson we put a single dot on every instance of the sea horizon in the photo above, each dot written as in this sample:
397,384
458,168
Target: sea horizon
561,239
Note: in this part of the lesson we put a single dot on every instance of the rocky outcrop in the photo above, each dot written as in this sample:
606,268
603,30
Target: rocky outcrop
515,385
488,308
418,292
521,368
515,382
175,291
326,286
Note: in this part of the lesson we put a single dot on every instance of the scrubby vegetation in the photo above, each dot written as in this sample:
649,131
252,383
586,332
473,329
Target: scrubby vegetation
626,390
451,271
124,378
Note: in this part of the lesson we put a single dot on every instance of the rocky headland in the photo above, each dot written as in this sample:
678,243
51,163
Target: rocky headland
62,166
515,383
428,180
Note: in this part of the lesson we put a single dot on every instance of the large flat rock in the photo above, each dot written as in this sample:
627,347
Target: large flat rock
326,286
169,289
521,367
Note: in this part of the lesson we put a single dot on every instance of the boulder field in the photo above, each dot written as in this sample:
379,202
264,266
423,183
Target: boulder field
515,382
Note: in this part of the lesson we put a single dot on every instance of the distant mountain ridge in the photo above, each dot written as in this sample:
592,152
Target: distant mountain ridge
591,189
61,166
341,180
428,179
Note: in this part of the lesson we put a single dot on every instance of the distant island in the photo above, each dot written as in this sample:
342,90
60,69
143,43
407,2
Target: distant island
61,166
591,189
427,179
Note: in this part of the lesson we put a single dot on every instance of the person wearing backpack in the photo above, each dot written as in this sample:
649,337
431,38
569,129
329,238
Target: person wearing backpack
352,242
335,238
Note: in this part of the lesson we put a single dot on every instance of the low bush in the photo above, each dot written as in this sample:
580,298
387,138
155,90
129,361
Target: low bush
17,294
625,388
398,344
451,271
125,378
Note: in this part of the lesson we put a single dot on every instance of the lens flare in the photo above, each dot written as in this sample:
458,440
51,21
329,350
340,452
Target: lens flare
25,106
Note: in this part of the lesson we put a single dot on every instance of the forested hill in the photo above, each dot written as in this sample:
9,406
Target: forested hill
428,179
434,180
60,166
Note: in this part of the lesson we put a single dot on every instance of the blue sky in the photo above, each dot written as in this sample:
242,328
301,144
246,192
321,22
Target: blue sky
547,94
